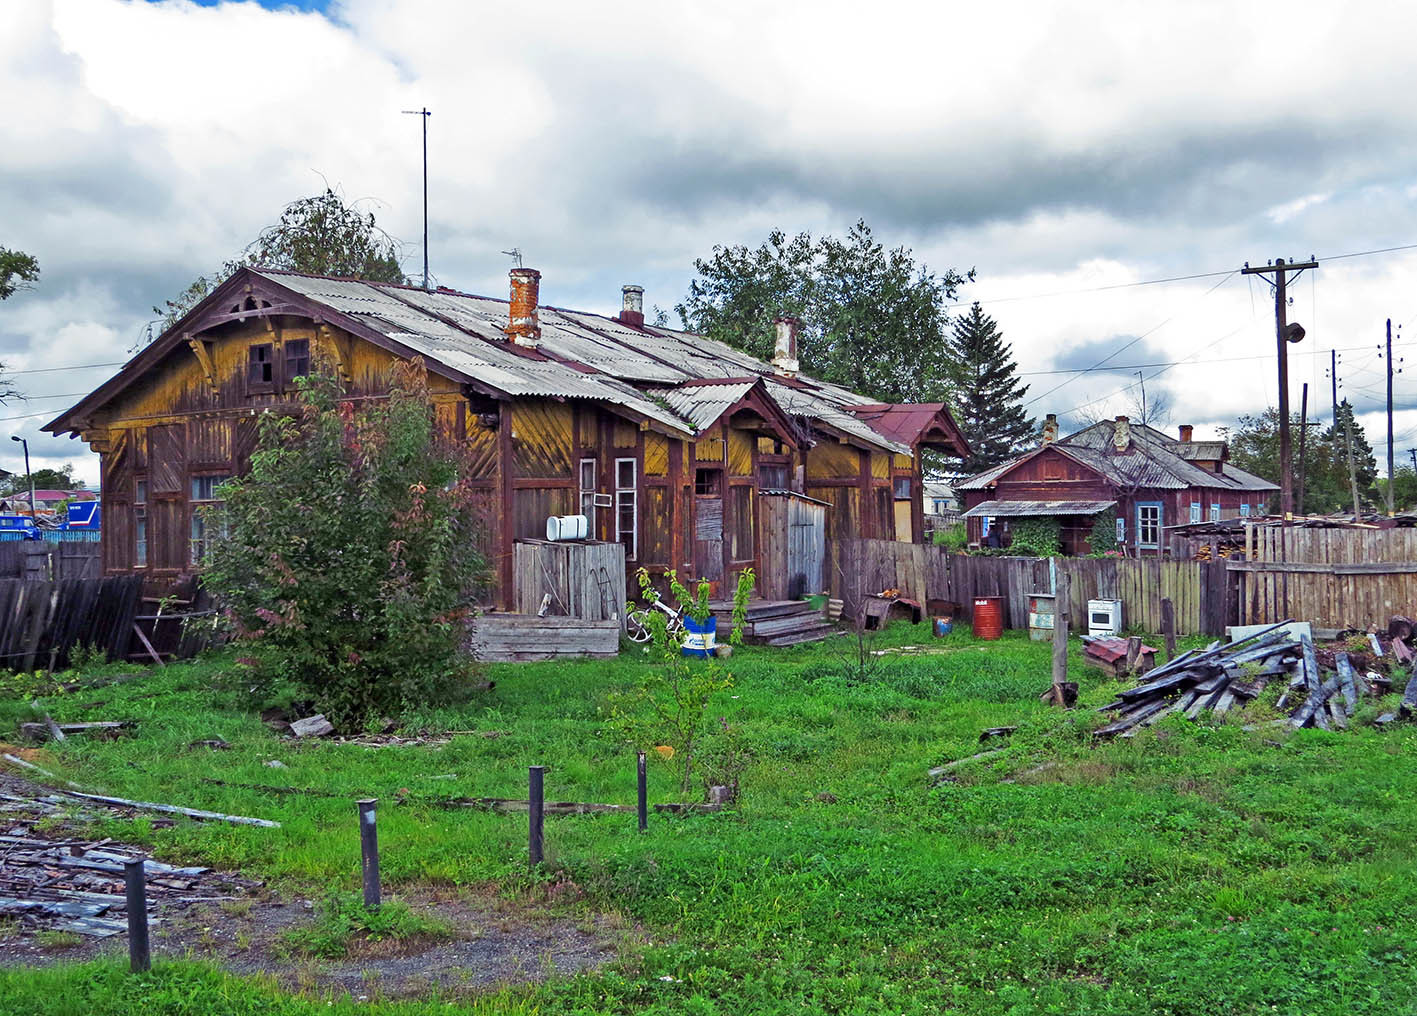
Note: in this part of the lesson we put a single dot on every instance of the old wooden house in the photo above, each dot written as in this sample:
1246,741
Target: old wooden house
665,440
1147,480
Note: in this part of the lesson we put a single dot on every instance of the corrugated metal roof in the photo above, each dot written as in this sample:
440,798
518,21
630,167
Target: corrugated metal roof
702,405
1021,509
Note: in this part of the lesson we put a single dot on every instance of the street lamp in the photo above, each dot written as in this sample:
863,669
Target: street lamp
29,477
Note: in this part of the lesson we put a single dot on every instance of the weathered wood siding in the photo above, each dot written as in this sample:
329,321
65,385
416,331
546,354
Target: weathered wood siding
584,580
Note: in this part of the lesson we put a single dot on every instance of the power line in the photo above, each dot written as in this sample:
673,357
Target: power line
1165,363
77,366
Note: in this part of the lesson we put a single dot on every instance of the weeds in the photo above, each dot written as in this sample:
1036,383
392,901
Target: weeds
343,921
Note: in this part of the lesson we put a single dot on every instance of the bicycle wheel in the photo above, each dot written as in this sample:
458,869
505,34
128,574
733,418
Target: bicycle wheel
637,626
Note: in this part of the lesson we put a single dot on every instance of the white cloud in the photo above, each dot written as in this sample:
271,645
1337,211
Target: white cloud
1056,148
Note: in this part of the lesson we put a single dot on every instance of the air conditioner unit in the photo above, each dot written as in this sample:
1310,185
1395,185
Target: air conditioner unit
1104,617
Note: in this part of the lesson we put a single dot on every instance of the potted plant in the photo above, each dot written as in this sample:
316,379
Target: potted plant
700,625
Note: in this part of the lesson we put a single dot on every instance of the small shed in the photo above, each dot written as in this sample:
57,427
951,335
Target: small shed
794,545
583,578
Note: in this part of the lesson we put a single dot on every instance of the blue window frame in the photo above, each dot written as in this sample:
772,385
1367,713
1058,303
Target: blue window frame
984,526
1148,523
1215,513
1195,511
1244,511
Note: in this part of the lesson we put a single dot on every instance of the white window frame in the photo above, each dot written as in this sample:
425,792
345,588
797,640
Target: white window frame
587,494
140,523
1214,512
628,497
1142,525
1195,511
1121,531
198,537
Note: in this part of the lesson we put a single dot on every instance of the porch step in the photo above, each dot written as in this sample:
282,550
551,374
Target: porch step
760,610
814,633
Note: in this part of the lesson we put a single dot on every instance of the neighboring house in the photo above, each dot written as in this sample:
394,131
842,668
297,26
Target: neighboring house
44,500
1148,480
664,439
938,498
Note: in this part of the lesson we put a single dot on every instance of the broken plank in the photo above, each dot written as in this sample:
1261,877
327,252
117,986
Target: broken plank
174,809
1347,682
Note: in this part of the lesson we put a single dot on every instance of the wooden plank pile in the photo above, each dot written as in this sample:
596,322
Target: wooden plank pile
67,883
1221,678
510,638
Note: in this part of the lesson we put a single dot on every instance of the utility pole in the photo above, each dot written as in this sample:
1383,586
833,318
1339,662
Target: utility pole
425,114
1144,421
1303,441
1389,419
1285,333
29,476
1352,470
1333,379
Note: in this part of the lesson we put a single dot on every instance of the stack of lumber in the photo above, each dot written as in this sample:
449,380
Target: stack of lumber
1221,678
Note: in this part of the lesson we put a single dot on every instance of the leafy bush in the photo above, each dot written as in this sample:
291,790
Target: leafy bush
1040,536
349,551
1103,538
953,539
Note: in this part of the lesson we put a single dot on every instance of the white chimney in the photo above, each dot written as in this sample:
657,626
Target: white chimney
1050,428
633,305
784,354
1121,434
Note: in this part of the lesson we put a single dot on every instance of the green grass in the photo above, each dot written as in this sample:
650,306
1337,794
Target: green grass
1196,869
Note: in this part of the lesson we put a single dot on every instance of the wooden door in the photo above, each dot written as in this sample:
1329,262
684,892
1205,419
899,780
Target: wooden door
708,524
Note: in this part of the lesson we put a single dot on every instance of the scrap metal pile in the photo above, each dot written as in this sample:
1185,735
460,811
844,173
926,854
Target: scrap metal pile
1221,678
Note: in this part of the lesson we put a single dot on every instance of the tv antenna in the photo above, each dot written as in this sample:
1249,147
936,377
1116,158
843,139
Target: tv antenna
516,254
425,115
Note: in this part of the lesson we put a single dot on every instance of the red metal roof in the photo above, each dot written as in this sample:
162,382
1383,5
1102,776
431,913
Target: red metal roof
909,422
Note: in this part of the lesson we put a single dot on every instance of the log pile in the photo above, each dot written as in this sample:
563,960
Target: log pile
1219,678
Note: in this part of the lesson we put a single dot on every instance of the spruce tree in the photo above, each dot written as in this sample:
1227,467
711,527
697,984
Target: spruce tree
988,399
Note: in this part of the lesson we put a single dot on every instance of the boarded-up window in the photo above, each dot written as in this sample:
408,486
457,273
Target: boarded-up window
740,453
740,532
541,440
655,524
166,466
209,442
774,476
1052,467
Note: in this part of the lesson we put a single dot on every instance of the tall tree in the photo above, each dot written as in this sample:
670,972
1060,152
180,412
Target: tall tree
18,270
987,396
1254,447
318,235
873,319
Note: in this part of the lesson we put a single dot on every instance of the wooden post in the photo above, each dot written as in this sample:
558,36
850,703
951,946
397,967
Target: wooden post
536,776
1168,627
1133,653
1060,639
139,956
369,850
642,783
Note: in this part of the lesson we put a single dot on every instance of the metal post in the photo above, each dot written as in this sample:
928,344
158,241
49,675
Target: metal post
1390,501
139,955
536,776
369,849
643,792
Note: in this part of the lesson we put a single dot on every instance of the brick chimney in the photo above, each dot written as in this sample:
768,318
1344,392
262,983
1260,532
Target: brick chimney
632,310
523,327
1050,428
1186,431
784,354
1122,434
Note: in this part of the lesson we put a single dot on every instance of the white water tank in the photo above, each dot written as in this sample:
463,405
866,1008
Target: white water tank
567,527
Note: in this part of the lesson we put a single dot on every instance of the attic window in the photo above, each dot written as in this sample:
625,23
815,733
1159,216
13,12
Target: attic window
297,358
261,364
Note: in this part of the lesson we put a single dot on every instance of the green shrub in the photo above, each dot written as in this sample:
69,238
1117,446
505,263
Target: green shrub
349,558
1039,536
953,539
1103,537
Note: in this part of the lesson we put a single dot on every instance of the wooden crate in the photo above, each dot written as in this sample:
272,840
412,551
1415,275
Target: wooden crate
584,578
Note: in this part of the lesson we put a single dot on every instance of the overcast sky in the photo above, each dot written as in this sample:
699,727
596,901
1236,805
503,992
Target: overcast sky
1055,148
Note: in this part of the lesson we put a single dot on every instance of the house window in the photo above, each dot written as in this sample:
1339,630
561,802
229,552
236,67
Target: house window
627,507
1121,531
205,495
140,524
772,476
941,506
260,364
1244,511
708,482
902,488
1195,511
1215,513
984,526
297,359
588,472
1148,523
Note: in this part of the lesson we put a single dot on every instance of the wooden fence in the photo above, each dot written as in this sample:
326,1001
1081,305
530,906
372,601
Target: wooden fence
1334,578
1201,594
42,622
47,559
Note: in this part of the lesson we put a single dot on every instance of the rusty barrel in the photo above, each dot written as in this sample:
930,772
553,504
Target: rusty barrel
988,617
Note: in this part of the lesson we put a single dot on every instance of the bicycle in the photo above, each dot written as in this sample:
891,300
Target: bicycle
637,627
